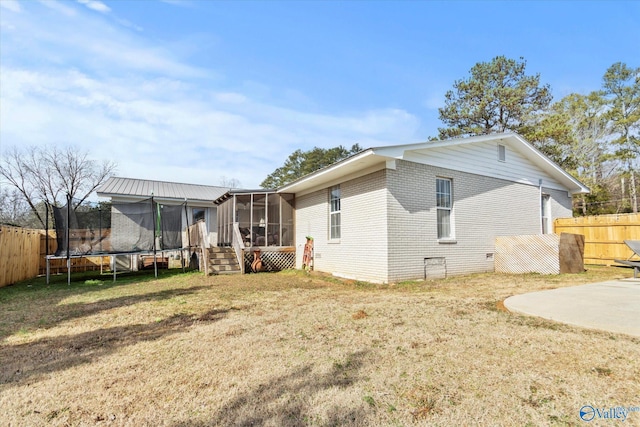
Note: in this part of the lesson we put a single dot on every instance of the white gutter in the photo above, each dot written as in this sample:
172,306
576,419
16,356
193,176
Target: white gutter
156,199
327,170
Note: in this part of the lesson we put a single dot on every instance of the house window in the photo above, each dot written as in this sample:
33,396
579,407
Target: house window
198,214
502,153
334,212
444,203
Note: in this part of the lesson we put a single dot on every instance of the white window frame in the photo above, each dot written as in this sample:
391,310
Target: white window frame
444,207
335,217
206,214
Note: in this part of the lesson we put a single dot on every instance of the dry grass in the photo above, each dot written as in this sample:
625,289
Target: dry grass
295,349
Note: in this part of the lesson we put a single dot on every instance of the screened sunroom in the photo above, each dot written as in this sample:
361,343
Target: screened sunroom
250,220
263,218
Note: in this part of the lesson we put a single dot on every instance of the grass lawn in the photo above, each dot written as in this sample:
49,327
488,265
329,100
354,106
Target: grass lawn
290,349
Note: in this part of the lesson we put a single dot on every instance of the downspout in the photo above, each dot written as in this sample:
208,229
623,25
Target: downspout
541,222
181,241
155,222
68,239
46,239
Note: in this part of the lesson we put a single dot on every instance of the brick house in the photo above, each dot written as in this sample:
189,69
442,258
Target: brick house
385,214
430,209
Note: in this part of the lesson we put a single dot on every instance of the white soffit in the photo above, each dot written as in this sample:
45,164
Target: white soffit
347,167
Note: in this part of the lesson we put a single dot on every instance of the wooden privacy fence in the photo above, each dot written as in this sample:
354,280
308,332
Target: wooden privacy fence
604,235
23,256
19,254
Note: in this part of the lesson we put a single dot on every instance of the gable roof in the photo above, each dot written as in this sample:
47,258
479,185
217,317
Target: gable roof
161,190
372,157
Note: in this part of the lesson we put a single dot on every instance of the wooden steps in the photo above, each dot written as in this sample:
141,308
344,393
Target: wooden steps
222,260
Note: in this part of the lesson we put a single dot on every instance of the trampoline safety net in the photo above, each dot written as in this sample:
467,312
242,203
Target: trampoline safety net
126,228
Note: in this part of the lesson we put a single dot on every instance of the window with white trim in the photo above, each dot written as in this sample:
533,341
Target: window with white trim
198,214
334,212
444,204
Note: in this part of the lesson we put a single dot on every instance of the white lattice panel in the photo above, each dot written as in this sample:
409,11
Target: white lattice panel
271,260
528,254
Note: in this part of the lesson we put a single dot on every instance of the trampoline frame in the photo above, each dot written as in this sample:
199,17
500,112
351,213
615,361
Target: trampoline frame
68,256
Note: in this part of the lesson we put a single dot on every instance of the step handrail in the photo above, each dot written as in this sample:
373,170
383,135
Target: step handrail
237,244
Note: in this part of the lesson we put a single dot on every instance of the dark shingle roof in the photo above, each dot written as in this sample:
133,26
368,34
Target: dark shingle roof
130,187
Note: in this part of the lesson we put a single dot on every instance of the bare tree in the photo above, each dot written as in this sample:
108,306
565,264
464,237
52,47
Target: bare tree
229,182
13,209
47,174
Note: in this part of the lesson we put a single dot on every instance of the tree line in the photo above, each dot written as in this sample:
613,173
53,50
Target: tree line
594,136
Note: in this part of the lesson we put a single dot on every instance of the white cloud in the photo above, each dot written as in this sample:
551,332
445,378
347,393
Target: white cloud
98,6
59,7
151,113
67,37
183,3
160,130
11,5
128,24
231,98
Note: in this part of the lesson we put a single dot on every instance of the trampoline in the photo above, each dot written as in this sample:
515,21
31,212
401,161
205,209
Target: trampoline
136,228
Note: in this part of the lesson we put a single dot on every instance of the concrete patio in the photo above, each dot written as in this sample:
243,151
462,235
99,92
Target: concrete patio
612,306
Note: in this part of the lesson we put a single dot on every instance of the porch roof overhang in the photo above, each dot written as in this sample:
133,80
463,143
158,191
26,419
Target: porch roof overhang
229,194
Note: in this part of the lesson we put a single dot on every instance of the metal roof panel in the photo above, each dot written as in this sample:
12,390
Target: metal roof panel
131,187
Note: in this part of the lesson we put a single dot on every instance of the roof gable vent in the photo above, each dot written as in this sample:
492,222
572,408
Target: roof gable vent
502,153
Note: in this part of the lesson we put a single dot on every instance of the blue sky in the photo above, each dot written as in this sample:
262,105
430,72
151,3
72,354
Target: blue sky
191,91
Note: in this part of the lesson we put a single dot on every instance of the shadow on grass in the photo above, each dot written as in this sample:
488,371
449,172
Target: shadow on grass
37,288
31,305
122,278
286,400
24,361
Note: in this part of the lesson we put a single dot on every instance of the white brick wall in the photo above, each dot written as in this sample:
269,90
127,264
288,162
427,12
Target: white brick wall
389,222
483,208
361,252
